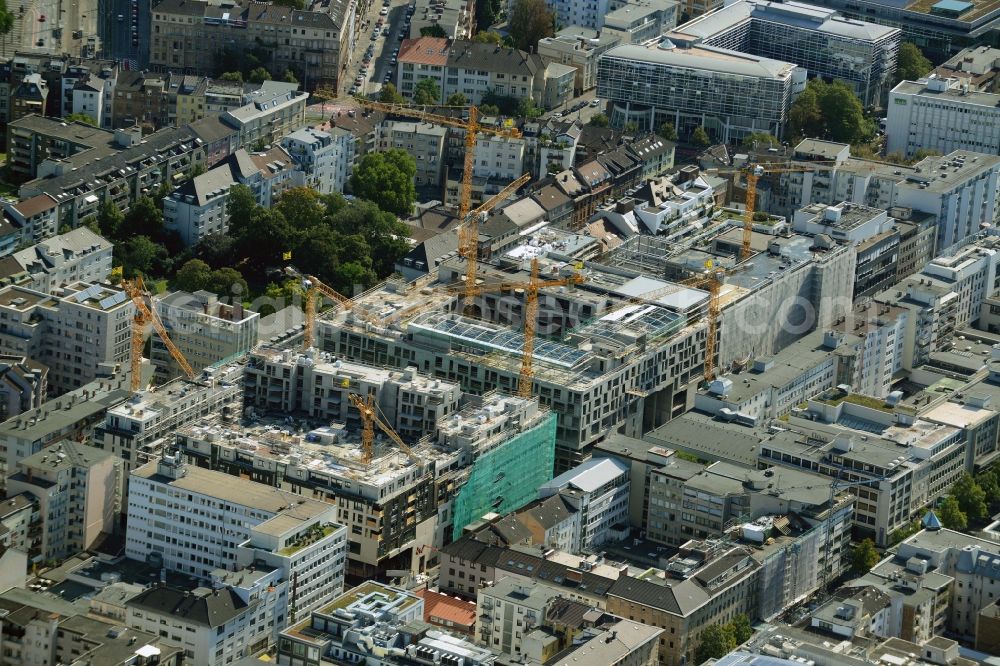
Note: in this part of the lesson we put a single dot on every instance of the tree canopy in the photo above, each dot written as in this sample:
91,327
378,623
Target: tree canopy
78,117
667,131
971,498
951,514
829,111
530,21
387,178
389,95
433,30
911,63
699,137
427,91
598,120
457,99
487,36
864,556
762,139
716,642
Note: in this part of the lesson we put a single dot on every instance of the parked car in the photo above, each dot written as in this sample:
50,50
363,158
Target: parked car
40,42
41,19
595,102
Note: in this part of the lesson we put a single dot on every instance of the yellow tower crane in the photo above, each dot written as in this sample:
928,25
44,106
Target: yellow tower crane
753,173
136,290
370,419
313,288
469,232
531,289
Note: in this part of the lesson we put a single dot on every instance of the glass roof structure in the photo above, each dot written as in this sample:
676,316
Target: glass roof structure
649,320
485,336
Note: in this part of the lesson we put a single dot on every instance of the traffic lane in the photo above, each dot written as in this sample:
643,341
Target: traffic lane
122,44
386,47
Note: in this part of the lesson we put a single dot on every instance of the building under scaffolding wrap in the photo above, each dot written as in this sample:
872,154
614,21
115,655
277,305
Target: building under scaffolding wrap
505,478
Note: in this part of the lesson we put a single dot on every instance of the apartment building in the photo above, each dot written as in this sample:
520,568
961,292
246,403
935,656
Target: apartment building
35,218
638,21
89,87
39,628
508,610
28,98
424,141
602,13
205,330
79,255
121,170
72,415
819,40
268,113
697,86
580,48
80,332
141,98
314,44
139,430
34,139
599,491
870,347
475,69
455,18
326,157
186,98
199,207
168,499
23,385
716,584
76,488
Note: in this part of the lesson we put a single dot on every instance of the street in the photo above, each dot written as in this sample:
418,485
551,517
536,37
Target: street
384,46
119,43
65,28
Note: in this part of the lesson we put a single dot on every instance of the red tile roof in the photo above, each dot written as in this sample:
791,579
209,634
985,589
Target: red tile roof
440,609
425,51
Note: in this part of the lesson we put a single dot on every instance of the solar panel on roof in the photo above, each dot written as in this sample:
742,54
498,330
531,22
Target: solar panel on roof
113,300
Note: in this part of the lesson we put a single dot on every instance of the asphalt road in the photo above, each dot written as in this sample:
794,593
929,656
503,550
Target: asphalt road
118,43
64,29
384,45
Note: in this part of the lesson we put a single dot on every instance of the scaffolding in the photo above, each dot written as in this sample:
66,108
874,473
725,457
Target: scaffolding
506,478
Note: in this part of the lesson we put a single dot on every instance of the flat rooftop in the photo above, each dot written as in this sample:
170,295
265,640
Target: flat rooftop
704,58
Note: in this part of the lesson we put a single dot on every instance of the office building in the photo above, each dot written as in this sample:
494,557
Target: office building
206,331
697,86
76,488
598,490
278,529
580,48
819,40
943,115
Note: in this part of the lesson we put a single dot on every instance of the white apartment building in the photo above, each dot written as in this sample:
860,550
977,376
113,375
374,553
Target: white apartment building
597,14
36,217
499,157
196,521
79,255
198,208
269,113
204,329
944,115
508,610
870,345
598,489
970,272
326,157
76,488
80,332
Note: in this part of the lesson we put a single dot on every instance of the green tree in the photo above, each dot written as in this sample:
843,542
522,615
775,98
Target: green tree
456,99
228,282
526,108
6,24
302,207
389,95
433,30
488,37
951,514
144,218
489,109
741,629
489,12
971,498
905,532
387,179
140,254
716,641
667,131
598,120
864,556
990,484
78,117
922,153
760,139
829,111
232,76
911,63
699,137
426,92
259,75
530,21
194,275
240,205
110,219
631,128
289,77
